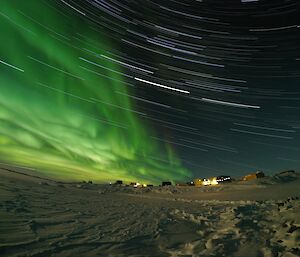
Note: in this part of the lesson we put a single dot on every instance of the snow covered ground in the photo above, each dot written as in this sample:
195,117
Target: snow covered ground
46,218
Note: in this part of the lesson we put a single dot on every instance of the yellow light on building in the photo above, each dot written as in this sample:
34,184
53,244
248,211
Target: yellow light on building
198,182
206,182
210,182
214,182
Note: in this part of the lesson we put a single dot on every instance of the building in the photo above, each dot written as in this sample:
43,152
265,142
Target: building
198,182
252,176
205,181
223,179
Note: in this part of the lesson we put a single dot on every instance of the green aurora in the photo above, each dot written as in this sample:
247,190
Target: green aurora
60,114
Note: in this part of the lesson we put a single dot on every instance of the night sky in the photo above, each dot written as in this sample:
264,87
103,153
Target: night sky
150,90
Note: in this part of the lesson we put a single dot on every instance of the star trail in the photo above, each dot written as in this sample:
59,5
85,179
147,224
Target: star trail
150,90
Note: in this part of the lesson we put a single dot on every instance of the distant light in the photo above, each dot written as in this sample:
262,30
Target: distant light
163,86
214,182
11,66
230,103
249,1
71,6
206,182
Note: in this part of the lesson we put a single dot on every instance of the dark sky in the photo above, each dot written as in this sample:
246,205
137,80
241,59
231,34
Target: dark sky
103,88
239,61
